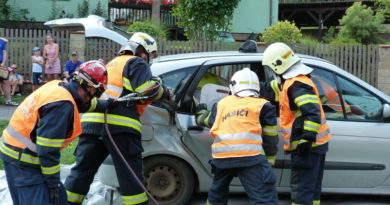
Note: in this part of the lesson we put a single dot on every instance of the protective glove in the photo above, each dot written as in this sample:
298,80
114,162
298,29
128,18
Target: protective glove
201,114
112,103
271,160
54,195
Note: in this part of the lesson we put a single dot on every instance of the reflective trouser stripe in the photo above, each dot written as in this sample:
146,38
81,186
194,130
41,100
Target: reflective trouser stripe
112,119
22,139
47,142
316,202
18,155
135,199
51,170
75,198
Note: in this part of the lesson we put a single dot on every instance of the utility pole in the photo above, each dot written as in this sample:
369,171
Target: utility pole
156,11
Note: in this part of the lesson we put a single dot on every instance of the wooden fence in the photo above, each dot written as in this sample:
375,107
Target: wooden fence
360,60
22,41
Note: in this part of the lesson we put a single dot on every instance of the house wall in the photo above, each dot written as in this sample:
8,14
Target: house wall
253,16
41,9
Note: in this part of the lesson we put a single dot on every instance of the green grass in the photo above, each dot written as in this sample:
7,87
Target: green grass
17,99
66,154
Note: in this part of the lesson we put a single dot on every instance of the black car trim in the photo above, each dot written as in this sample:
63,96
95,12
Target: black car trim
286,164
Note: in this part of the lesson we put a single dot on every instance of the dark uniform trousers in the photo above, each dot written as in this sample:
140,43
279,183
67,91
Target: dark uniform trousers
306,178
27,185
92,151
258,181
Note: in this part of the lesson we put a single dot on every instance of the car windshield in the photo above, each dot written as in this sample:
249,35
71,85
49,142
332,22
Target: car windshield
119,30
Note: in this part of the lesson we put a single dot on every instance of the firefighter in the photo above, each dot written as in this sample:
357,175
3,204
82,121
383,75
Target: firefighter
127,73
245,135
303,126
47,121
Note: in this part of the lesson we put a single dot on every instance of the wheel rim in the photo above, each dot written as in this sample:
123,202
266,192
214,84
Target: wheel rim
163,182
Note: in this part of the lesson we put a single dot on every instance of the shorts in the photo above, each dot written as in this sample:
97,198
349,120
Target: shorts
36,78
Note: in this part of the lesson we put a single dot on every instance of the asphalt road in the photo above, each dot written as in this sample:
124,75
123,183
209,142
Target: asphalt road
6,111
241,199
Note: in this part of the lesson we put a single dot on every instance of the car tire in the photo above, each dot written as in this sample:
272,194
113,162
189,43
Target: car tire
169,180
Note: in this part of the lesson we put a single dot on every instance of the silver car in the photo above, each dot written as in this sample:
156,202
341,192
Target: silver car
177,151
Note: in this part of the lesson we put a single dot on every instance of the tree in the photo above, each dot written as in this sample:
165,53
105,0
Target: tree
4,10
282,31
384,6
99,9
154,30
204,19
83,8
361,24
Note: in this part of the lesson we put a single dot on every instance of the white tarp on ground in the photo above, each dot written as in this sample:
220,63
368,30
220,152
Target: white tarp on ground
95,196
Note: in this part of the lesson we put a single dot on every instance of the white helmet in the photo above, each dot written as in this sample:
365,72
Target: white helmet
279,57
146,41
245,83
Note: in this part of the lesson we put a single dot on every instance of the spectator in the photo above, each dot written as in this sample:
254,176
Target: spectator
51,53
71,65
16,81
5,84
37,62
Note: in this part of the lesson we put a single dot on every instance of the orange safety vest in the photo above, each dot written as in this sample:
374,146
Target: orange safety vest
26,116
331,98
287,116
115,80
237,131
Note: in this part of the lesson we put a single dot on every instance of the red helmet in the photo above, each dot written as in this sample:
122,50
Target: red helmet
92,74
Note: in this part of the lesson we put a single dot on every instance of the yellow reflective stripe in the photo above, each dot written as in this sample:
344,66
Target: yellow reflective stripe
75,198
275,87
297,113
270,130
15,154
248,82
294,203
209,203
146,85
51,170
127,85
47,142
135,199
112,119
160,94
316,202
311,126
93,105
304,99
271,160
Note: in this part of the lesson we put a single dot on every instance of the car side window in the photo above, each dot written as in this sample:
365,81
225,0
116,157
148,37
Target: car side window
328,93
360,104
214,85
176,78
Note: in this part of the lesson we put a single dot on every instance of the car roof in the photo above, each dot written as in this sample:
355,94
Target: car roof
217,54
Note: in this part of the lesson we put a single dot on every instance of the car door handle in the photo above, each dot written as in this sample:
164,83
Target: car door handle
196,128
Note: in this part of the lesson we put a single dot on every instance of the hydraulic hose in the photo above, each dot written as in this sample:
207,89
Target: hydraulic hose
124,160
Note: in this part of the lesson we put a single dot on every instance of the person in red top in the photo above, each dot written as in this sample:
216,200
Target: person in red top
45,122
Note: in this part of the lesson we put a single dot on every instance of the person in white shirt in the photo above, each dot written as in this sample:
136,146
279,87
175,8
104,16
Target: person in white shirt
37,62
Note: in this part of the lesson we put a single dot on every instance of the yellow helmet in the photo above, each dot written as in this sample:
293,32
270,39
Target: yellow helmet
279,57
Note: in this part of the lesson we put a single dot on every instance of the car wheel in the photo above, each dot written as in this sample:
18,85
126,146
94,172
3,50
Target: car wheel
169,180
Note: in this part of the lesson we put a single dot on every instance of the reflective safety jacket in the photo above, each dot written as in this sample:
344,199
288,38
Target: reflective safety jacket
301,111
26,117
237,129
330,97
126,74
45,122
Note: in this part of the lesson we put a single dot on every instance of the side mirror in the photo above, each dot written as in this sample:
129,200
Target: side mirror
386,111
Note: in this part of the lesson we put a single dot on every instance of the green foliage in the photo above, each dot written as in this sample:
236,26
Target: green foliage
282,31
4,10
204,19
99,9
344,41
8,13
330,35
83,9
384,7
309,40
153,29
361,24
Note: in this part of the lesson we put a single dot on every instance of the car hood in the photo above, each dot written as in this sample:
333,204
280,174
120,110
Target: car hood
94,26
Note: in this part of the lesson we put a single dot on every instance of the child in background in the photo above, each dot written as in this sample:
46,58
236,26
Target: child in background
37,62
16,81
